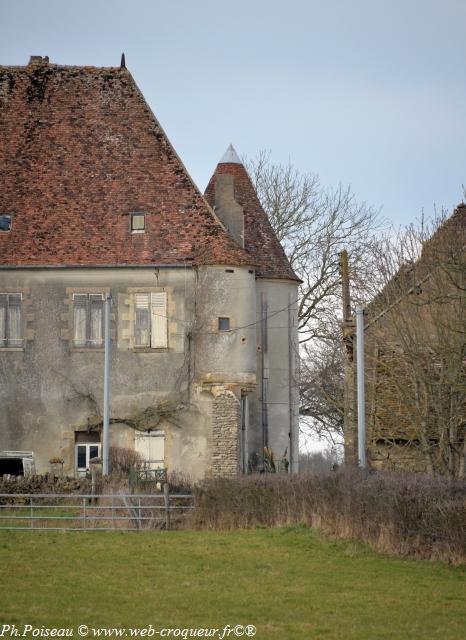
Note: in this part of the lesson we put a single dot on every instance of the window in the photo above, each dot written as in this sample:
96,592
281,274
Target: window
138,222
224,324
150,329
151,447
16,463
88,319
10,320
87,447
5,222
85,452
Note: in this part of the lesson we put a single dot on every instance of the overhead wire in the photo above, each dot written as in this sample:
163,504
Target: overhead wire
235,329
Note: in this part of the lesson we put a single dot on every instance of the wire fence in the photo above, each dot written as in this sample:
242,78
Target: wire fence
103,512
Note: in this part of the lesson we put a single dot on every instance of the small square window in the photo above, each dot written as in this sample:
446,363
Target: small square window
224,324
5,222
138,222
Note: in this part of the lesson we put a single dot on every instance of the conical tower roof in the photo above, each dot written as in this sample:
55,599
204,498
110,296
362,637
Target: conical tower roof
260,240
230,156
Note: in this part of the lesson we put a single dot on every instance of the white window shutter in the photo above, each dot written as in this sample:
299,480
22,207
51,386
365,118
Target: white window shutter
79,320
142,323
3,336
142,300
158,303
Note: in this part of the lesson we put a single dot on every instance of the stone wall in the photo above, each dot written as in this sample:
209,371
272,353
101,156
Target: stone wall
225,434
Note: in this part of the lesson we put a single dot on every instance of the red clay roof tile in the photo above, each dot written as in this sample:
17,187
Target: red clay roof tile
79,150
259,238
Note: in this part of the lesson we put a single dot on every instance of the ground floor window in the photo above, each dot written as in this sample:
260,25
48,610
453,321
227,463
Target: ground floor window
87,447
151,447
84,455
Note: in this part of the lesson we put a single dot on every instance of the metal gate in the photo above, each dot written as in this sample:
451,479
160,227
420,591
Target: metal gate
104,512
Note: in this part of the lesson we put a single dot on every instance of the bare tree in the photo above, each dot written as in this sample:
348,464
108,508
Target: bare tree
314,224
418,329
322,401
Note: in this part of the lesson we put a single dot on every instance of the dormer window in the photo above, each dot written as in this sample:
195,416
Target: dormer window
138,222
5,222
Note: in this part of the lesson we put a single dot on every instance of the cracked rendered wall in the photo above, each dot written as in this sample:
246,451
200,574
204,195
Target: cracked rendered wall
50,389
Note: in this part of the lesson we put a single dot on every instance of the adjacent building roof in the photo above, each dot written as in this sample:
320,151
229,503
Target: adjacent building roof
80,151
259,238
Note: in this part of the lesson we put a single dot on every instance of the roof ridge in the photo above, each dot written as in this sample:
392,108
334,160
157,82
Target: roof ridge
61,66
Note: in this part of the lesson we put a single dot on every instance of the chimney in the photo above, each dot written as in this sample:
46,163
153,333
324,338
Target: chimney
37,61
226,208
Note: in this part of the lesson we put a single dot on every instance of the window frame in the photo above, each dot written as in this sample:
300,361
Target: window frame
88,344
135,214
7,342
153,302
220,318
88,446
10,217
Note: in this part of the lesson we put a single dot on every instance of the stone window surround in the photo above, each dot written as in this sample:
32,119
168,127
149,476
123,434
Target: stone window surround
214,324
130,315
67,318
27,316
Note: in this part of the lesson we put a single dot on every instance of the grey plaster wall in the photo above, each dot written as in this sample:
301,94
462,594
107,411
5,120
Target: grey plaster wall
282,415
49,389
226,356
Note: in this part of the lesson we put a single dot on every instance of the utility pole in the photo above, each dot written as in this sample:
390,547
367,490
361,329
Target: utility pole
345,285
349,424
265,375
360,386
106,420
291,383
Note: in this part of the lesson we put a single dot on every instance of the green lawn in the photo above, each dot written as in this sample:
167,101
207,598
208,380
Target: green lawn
289,583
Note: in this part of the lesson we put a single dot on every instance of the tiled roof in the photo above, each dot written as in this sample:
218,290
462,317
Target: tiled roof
80,150
447,240
259,238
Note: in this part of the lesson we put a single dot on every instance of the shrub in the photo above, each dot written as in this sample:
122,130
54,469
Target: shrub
179,482
121,460
407,514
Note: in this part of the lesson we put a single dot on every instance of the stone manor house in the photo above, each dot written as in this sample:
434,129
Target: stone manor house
95,201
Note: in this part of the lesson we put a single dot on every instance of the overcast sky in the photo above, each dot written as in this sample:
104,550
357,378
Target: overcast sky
366,92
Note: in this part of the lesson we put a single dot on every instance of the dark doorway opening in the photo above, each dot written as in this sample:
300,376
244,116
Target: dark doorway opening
11,466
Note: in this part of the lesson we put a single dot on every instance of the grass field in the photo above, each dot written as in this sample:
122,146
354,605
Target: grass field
289,583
